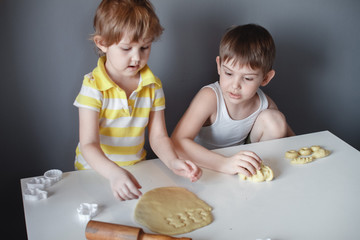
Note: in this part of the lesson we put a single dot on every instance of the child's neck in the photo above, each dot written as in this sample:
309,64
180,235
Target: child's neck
128,84
243,110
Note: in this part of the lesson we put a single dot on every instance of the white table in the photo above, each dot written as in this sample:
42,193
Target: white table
319,200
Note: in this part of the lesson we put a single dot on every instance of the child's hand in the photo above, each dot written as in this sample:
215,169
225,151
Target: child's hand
124,185
186,168
244,162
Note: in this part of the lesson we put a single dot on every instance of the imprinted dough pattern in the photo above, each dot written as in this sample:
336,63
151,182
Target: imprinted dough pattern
180,220
306,155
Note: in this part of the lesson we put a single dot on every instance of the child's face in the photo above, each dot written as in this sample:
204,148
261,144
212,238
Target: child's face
126,58
239,83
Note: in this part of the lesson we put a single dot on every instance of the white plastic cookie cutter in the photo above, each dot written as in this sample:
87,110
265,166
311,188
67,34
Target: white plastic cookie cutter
39,182
35,186
87,211
35,194
54,175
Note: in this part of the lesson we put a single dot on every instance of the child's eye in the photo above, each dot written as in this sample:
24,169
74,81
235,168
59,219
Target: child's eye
228,73
248,79
125,49
144,48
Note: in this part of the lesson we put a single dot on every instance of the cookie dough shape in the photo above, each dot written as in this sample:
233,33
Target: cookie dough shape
291,154
305,151
264,174
320,153
172,211
306,155
302,160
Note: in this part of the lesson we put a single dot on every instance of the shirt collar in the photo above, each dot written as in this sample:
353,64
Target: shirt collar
103,82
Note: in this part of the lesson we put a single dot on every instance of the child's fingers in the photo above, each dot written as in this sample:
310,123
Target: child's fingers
244,158
247,166
133,190
251,154
195,171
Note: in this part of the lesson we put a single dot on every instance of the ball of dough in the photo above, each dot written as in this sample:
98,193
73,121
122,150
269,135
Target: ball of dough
264,174
305,151
291,154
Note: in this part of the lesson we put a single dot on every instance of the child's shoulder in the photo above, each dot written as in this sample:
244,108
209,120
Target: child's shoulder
207,94
205,100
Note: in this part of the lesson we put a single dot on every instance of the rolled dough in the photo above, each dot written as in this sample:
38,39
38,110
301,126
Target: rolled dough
172,211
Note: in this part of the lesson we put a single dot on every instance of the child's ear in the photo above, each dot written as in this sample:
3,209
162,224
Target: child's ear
218,64
100,43
268,77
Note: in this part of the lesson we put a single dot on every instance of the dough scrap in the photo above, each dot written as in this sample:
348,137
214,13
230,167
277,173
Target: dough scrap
264,174
172,211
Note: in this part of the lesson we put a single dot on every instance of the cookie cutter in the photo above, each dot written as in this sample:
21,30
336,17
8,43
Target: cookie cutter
35,194
39,182
87,211
35,187
54,175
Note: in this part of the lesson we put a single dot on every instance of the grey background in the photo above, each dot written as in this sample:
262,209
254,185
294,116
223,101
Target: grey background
46,51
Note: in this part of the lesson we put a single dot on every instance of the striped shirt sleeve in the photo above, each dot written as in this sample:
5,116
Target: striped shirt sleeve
89,97
159,101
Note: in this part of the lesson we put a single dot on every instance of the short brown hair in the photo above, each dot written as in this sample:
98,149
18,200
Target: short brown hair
248,44
114,18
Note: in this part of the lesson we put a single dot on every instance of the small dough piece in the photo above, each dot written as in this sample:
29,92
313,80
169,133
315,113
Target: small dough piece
172,211
264,174
291,154
320,153
302,160
305,151
314,148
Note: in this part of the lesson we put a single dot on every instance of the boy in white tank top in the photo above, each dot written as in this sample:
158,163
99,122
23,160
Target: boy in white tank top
225,113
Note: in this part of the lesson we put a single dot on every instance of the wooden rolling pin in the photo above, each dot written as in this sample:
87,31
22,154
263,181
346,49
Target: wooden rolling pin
96,230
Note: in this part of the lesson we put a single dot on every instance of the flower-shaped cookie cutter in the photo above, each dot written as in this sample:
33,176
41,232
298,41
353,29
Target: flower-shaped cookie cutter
35,194
87,211
39,182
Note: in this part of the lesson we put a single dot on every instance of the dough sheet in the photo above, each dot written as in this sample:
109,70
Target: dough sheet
172,211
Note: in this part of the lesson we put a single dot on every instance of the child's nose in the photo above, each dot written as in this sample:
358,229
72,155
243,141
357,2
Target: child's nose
136,56
237,84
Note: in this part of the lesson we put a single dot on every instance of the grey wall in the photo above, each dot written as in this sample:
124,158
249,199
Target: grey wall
45,53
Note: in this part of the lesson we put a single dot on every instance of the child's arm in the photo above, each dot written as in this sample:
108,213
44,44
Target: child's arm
164,148
123,183
200,110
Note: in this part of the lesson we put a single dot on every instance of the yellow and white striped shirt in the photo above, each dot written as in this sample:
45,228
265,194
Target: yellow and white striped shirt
122,121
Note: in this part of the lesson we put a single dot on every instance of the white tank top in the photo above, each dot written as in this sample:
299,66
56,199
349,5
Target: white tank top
226,132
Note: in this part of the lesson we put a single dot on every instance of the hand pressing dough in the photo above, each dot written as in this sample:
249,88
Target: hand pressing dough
264,174
172,211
